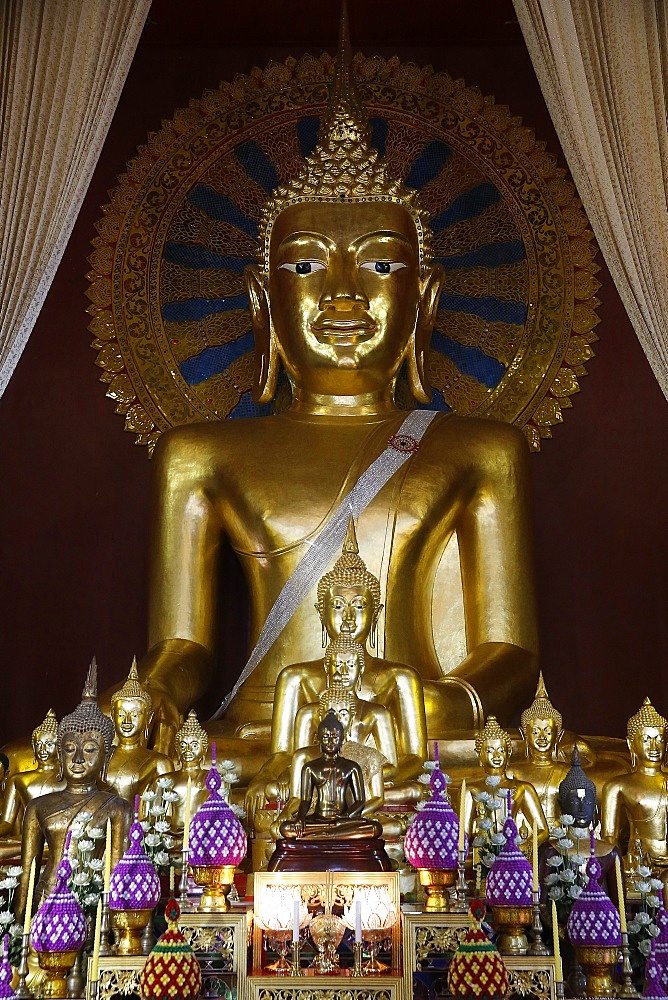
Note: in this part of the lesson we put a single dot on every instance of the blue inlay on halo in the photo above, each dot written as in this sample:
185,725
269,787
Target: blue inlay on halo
469,360
246,407
196,257
214,360
257,165
428,164
492,255
379,130
222,209
307,133
468,205
489,308
194,309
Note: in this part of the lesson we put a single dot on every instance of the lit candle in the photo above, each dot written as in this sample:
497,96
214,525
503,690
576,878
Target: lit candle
186,821
620,894
295,922
534,857
558,974
358,921
107,858
462,807
94,969
31,889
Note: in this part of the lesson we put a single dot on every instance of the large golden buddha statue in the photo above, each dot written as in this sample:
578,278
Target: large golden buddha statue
84,744
345,295
635,805
21,787
133,767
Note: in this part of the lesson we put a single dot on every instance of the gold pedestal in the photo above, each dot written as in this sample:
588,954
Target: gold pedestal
598,965
436,883
128,926
216,880
56,964
510,923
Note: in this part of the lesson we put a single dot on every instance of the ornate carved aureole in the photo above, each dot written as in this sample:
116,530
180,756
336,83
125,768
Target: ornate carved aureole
168,304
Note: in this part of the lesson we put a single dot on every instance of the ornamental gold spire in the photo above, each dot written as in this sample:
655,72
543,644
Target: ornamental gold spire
133,688
49,727
541,708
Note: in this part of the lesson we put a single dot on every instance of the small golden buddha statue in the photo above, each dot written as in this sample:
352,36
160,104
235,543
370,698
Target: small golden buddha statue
344,295
21,787
338,787
191,745
635,805
133,767
388,696
84,744
494,748
541,726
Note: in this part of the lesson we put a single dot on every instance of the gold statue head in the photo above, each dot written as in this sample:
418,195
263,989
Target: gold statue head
541,724
344,663
131,708
493,745
330,734
85,737
344,292
646,735
191,740
349,595
44,739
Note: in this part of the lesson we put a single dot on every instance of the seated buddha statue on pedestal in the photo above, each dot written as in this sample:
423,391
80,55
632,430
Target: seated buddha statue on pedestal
191,746
133,767
84,743
344,296
21,787
541,726
635,805
494,748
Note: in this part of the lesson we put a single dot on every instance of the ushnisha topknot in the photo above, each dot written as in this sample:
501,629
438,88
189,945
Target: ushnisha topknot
576,777
87,716
646,715
133,689
541,708
49,727
492,731
349,570
193,727
343,167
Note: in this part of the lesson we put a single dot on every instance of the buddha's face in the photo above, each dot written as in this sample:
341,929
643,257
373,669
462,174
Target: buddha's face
649,745
580,803
191,749
83,756
343,668
344,292
44,748
130,719
542,735
331,738
348,610
494,754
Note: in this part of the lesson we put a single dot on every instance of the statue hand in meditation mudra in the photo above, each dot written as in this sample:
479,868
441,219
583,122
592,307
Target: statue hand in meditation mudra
338,787
84,747
635,806
344,296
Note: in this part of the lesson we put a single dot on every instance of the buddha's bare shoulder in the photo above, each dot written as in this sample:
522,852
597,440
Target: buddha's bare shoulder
209,444
491,446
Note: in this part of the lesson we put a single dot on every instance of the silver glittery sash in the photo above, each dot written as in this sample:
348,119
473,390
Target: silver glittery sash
322,550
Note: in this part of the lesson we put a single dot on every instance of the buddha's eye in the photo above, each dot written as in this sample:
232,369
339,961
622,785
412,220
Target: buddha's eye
304,266
382,266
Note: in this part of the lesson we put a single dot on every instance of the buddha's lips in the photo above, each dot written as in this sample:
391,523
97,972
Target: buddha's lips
354,328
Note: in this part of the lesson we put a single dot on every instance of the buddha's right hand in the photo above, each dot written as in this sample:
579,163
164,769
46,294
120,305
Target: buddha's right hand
255,798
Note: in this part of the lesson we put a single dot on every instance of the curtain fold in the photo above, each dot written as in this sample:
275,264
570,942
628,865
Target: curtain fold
63,66
602,66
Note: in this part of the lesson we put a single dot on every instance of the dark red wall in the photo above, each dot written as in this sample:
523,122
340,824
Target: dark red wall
74,488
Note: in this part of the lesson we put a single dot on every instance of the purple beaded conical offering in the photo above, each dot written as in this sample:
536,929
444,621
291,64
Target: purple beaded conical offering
594,921
653,986
135,884
216,835
509,881
661,942
6,972
431,839
59,924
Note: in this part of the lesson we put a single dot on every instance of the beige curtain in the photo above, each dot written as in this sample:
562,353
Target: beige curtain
603,69
63,66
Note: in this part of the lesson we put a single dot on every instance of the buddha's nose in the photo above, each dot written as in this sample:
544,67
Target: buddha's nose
342,290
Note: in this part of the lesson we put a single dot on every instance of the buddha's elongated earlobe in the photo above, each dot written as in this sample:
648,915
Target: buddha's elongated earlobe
418,345
266,355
